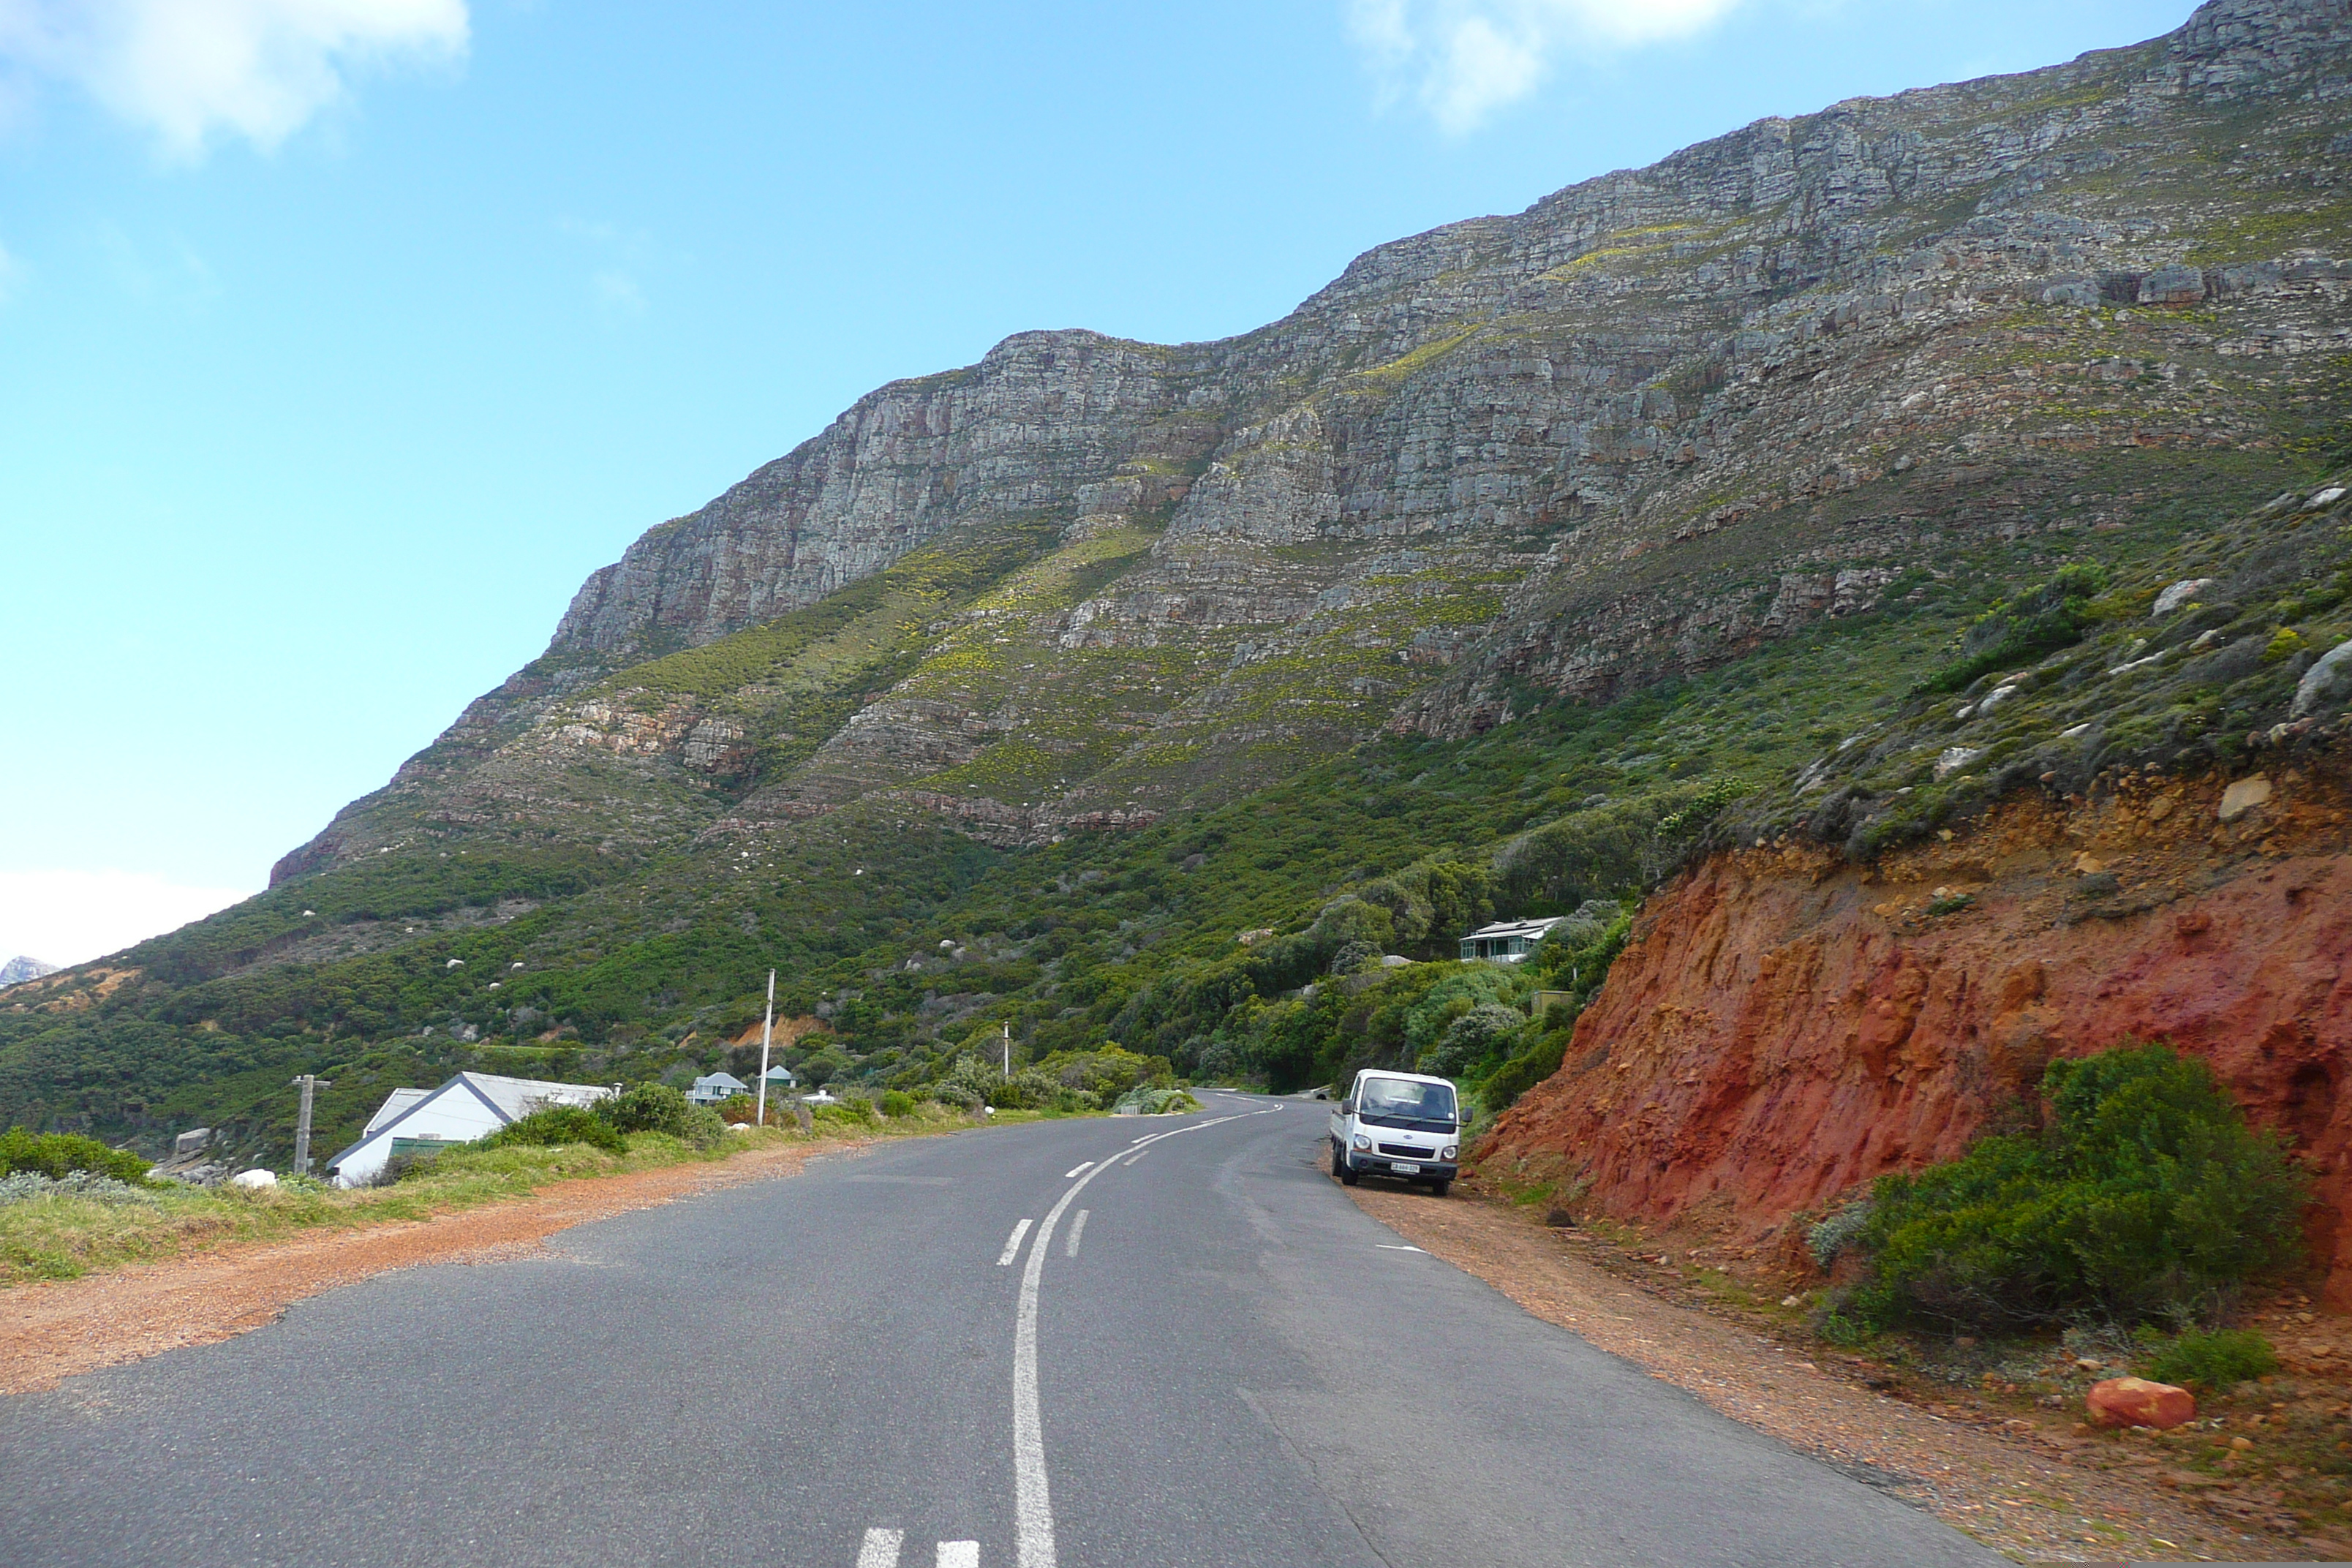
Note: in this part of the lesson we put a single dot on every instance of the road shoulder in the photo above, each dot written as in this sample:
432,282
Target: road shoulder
2032,1496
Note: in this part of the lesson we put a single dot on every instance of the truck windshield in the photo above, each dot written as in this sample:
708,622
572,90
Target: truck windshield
1390,1099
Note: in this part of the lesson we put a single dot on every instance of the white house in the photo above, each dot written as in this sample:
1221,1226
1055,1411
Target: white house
712,1087
469,1106
1509,942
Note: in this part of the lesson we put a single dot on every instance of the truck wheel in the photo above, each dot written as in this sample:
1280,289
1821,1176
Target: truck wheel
1348,1176
1438,1189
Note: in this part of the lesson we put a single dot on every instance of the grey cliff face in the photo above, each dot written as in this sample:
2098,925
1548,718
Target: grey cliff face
1656,420
1018,432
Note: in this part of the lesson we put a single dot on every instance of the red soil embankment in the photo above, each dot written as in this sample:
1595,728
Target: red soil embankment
1785,1025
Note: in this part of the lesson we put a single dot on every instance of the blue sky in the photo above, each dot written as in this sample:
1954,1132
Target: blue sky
340,339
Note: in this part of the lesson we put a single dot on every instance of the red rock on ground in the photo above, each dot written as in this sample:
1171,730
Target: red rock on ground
2135,1401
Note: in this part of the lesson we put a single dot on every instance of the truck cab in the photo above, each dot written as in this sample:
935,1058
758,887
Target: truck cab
1398,1124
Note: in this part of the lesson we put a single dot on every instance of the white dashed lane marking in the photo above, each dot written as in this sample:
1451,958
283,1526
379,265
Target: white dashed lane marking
1134,1158
1081,1170
1012,1246
1077,1229
881,1549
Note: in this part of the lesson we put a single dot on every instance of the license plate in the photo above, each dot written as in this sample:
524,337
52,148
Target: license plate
1404,1170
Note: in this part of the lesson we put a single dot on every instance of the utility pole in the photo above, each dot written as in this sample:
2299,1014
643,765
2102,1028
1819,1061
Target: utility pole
767,1033
1008,1050
309,1084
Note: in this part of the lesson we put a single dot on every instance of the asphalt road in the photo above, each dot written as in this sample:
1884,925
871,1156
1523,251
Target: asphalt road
1199,1352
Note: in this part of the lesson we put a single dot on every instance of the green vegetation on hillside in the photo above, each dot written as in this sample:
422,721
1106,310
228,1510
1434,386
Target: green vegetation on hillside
916,945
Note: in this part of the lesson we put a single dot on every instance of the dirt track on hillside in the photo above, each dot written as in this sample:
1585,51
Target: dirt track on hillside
54,1331
2035,1495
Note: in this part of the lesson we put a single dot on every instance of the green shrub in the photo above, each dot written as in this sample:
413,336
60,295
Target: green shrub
896,1102
2052,616
1486,1032
556,1124
2146,1195
738,1108
2210,1362
648,1107
1156,1102
1523,1072
58,1156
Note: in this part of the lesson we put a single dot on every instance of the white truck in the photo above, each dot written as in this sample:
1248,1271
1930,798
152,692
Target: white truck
1398,1124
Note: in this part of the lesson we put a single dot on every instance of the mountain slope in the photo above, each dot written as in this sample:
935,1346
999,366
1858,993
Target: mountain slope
1492,572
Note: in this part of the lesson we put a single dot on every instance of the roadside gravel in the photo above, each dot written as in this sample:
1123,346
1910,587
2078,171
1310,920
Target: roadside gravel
2034,1495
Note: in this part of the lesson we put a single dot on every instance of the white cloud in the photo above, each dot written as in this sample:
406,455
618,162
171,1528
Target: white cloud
72,917
190,69
1462,59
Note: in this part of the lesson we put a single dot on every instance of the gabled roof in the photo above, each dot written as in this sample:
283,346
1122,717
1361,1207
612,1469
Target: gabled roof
515,1098
719,1080
394,1108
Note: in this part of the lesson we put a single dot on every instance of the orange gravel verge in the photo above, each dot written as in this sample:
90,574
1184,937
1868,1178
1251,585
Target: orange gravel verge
51,1331
2034,1498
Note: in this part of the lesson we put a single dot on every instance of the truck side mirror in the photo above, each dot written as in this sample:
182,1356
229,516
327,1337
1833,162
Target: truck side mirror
1347,1108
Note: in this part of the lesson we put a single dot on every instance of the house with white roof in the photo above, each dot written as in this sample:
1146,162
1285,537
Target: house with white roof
712,1087
1509,942
425,1120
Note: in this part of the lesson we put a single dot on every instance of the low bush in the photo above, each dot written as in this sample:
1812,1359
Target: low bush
553,1125
2211,1361
896,1103
738,1108
1156,1102
58,1156
2145,1196
657,1108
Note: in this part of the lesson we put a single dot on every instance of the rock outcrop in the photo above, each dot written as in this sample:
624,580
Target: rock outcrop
1785,1025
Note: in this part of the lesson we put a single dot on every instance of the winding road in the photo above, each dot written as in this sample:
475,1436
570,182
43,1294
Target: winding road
1087,1343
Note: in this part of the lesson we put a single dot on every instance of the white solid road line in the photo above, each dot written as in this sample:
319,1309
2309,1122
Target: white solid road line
880,1549
959,1554
1077,1229
1012,1246
1079,1172
1033,1501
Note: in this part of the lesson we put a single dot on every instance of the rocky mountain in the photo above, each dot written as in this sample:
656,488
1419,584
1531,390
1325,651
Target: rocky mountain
1654,421
1827,484
23,968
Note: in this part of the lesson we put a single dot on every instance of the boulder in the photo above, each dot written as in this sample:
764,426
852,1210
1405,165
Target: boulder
2178,594
2244,795
2135,1401
253,1179
2325,683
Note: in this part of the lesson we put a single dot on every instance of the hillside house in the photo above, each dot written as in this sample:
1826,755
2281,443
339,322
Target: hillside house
712,1087
426,1120
1508,941
780,1077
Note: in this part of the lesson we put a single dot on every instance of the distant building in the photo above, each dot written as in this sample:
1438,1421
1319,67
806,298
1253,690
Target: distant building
781,1077
426,1120
1508,941
712,1087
